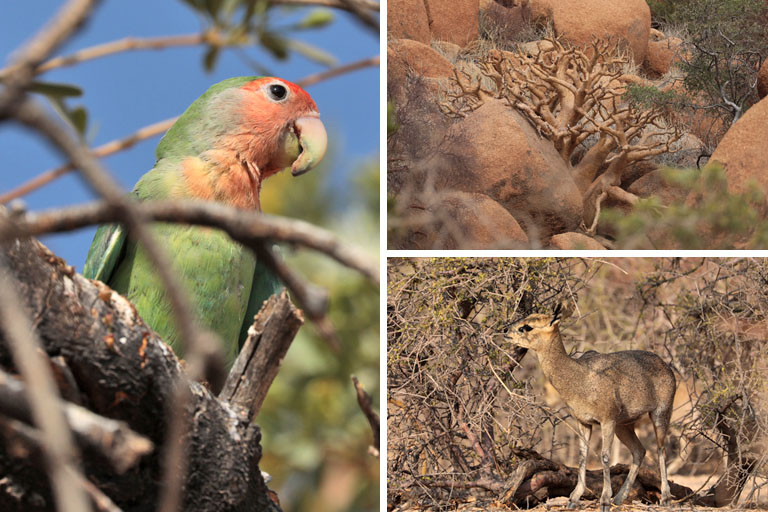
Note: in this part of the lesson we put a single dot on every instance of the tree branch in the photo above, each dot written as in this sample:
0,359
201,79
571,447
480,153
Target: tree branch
365,402
339,70
362,13
26,439
122,45
259,360
107,149
247,227
58,30
120,445
339,4
159,128
125,371
59,449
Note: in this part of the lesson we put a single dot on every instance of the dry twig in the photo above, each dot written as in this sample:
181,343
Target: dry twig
58,446
58,30
365,402
120,445
158,128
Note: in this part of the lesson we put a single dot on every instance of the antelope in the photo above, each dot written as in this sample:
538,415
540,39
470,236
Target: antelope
613,390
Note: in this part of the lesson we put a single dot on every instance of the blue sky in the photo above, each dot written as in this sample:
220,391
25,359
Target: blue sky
127,91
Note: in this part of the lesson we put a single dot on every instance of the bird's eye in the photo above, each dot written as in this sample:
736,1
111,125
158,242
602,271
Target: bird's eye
277,92
525,328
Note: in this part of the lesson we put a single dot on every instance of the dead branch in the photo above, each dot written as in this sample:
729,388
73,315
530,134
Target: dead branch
120,446
59,451
25,442
159,128
125,372
365,402
259,360
247,227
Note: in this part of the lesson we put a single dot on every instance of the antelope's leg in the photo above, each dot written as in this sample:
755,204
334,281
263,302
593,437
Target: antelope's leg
607,429
660,426
585,434
626,434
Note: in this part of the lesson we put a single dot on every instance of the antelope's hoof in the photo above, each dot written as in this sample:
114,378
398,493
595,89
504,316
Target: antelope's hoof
573,505
605,507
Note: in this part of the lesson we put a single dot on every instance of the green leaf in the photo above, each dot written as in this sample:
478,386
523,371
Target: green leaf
276,44
318,18
210,58
213,7
229,7
56,90
312,52
79,119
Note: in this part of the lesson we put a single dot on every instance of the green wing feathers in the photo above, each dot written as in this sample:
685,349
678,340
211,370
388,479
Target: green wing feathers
105,253
265,284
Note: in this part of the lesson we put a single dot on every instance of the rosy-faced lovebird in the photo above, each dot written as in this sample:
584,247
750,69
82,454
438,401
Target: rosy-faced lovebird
237,134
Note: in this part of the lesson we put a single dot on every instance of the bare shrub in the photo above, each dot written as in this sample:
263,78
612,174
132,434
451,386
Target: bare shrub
456,413
571,95
505,26
470,418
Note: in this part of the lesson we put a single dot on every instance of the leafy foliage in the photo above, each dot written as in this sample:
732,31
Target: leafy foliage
315,436
450,378
247,22
717,218
456,392
651,97
726,41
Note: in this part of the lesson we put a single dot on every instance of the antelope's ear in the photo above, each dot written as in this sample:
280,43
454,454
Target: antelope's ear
567,310
554,323
556,314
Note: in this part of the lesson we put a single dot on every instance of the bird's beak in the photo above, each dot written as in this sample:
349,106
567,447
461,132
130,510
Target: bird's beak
312,143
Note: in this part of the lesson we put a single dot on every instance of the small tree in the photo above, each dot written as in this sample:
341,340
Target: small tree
725,43
573,97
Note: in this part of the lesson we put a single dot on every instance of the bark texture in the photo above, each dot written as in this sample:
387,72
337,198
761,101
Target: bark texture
118,368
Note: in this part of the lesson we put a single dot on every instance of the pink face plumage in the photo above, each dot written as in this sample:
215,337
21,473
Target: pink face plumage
299,99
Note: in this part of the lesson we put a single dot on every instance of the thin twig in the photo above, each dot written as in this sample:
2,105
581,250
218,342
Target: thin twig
194,343
365,403
107,149
247,227
58,30
366,4
59,449
160,127
122,45
339,70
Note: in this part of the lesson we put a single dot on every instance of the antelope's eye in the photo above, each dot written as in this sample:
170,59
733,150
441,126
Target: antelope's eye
277,92
525,328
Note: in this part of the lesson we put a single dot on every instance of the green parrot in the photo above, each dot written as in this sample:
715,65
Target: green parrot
238,133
